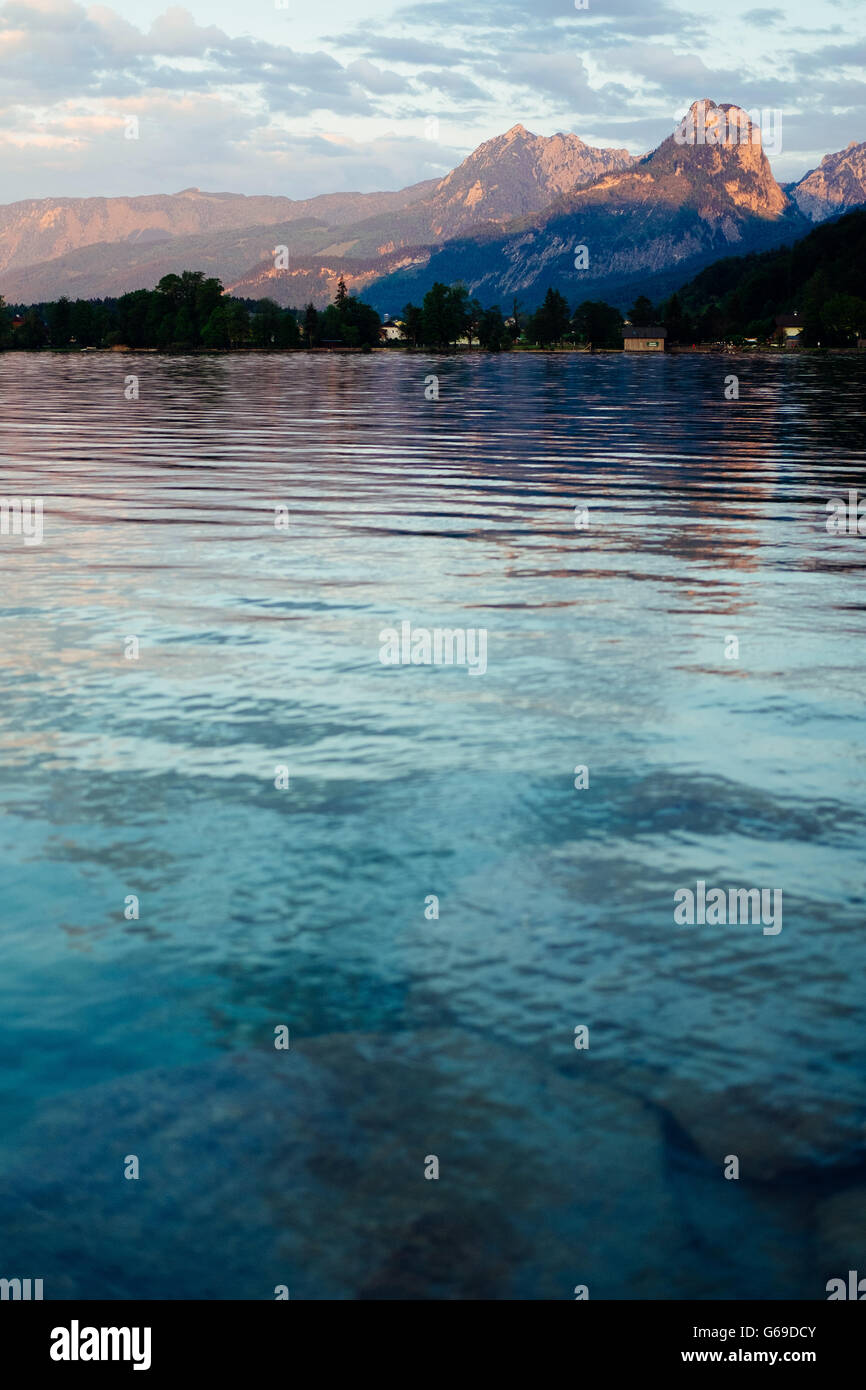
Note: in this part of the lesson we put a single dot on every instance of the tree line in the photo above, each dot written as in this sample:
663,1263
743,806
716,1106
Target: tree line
448,315
192,312
186,312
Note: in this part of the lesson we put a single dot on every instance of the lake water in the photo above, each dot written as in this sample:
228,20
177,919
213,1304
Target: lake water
740,764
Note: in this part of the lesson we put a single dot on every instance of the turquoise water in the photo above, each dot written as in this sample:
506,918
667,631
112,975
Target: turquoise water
305,906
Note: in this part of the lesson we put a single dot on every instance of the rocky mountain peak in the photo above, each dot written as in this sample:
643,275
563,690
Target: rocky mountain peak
839,183
520,172
708,123
718,149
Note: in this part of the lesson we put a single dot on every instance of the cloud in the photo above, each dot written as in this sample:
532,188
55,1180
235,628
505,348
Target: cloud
223,106
541,58
51,49
453,83
400,49
506,14
827,59
378,80
763,17
204,99
222,148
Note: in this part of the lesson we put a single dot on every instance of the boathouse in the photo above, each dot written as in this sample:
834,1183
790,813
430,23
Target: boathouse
644,338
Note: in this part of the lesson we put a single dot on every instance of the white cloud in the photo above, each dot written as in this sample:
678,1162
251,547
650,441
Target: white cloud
248,110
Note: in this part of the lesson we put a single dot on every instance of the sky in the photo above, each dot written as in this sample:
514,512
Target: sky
296,98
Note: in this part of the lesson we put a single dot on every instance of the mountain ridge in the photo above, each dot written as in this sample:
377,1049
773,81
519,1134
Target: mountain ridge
506,220
514,172
37,230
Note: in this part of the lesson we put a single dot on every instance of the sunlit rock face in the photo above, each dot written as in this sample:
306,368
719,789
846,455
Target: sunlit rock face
723,144
518,173
839,183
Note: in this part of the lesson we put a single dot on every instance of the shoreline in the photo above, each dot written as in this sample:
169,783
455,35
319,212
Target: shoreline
698,350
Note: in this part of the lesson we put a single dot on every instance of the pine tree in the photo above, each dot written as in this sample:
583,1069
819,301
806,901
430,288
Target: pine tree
642,312
311,326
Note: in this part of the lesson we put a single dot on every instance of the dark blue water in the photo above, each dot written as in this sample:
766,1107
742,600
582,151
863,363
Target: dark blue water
608,645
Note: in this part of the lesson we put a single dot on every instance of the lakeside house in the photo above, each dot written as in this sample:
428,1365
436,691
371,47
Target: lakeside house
391,330
644,338
788,328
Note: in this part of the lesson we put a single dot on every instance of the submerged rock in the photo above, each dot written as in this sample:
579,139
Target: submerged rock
840,1236
775,1139
305,1168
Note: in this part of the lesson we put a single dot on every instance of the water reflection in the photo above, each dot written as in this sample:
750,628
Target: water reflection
259,647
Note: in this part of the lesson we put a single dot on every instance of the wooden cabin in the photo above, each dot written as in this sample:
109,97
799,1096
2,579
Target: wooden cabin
644,338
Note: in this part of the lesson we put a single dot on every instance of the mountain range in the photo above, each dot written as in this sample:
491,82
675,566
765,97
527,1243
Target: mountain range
508,221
